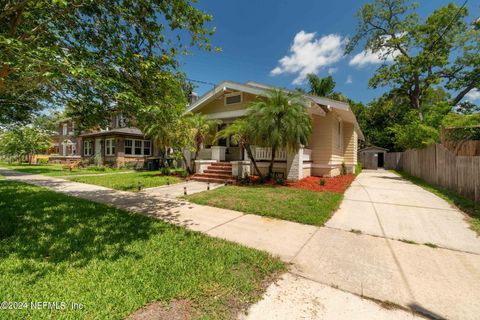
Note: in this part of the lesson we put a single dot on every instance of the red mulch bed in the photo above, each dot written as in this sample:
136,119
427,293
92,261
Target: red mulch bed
335,184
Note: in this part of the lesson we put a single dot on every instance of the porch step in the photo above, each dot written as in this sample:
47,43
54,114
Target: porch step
219,171
223,169
216,175
221,164
204,178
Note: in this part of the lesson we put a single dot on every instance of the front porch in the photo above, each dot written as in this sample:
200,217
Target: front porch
233,162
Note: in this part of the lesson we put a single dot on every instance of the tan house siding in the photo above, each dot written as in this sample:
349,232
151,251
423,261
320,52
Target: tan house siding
350,143
321,139
218,105
337,140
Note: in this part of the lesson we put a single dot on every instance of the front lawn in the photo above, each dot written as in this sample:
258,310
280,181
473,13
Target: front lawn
57,248
286,203
56,170
129,181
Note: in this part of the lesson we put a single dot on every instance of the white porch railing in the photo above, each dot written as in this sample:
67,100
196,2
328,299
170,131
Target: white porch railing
266,154
205,154
307,155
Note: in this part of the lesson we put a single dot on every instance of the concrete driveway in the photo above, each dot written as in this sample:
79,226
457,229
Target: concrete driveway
383,204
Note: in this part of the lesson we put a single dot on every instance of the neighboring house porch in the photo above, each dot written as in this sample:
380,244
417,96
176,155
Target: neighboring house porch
117,147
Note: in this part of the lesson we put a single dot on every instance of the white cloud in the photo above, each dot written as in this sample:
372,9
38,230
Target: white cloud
368,57
349,79
309,55
383,55
332,70
474,94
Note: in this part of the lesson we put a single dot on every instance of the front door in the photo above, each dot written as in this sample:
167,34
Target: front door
380,159
98,151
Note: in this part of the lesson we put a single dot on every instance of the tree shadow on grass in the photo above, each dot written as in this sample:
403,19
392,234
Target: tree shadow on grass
45,229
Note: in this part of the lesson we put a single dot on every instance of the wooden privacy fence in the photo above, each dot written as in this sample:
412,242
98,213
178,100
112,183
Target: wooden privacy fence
437,165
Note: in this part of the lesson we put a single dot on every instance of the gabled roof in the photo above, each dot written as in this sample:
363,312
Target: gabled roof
342,108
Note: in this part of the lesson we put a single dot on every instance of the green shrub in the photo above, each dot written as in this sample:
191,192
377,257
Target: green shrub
358,169
182,173
280,181
165,171
322,182
42,161
343,169
262,180
245,181
96,168
414,135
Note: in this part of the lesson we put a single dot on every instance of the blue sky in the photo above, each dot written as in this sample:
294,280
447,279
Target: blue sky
255,35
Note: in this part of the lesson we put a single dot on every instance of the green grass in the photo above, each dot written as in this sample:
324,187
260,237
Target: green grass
358,169
278,202
55,247
129,181
468,206
56,170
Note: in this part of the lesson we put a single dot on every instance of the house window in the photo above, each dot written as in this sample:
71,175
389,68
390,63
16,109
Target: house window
65,129
146,147
87,148
233,98
128,146
339,134
110,147
138,147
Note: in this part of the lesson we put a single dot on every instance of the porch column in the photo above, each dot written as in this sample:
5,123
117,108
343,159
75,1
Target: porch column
295,165
218,153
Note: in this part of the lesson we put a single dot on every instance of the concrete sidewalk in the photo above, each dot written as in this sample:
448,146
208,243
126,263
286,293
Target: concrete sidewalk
438,282
177,190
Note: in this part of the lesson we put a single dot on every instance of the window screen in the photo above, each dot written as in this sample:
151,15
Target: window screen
233,99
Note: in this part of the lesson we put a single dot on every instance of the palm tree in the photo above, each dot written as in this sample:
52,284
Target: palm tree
281,122
201,129
241,132
322,87
182,132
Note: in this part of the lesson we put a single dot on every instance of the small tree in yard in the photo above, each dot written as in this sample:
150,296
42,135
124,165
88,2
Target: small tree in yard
23,141
201,129
182,133
241,133
281,121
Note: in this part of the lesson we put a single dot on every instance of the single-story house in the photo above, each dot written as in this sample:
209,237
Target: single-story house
116,147
334,138
372,157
